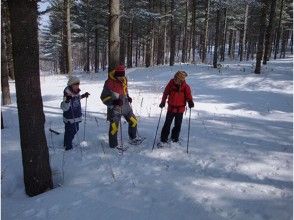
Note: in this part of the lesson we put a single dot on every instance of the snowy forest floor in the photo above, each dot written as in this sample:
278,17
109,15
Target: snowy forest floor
239,164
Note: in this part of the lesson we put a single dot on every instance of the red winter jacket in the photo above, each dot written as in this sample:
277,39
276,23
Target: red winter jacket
177,95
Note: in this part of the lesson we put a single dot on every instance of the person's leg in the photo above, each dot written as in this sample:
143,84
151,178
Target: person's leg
132,130
113,129
177,127
70,131
114,116
166,127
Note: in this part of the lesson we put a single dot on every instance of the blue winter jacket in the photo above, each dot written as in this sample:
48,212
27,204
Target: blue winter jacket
72,111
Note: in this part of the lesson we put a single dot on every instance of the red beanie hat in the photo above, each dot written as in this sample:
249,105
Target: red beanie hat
119,71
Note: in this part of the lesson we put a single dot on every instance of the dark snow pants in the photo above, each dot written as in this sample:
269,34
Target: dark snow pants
69,134
114,119
167,124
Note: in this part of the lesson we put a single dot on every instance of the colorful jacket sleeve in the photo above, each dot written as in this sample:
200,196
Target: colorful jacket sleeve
107,95
166,92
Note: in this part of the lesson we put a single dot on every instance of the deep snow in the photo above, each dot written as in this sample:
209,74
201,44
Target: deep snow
239,164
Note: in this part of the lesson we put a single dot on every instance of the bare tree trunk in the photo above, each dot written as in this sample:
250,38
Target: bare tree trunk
96,50
215,55
67,57
204,48
279,30
87,66
172,35
35,156
184,48
6,100
104,58
234,44
137,51
284,43
165,34
130,45
224,39
148,52
230,43
113,54
262,23
244,32
160,36
7,37
268,40
291,42
193,29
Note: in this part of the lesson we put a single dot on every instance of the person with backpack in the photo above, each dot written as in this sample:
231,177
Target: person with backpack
178,93
72,111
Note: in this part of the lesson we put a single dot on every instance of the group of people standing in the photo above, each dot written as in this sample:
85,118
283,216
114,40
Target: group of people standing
116,97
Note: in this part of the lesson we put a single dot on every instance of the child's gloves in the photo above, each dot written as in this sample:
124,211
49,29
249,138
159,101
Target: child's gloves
86,94
161,105
191,104
118,102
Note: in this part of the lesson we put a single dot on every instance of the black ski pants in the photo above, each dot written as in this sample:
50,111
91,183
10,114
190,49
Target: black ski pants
167,124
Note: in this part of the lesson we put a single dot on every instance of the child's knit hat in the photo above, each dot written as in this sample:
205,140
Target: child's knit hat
73,80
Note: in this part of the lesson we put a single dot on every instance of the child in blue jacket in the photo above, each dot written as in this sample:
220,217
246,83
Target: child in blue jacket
72,111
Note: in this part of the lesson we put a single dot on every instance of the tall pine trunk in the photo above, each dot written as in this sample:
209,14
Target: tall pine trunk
67,52
230,43
279,30
8,44
113,42
193,23
96,52
216,39
204,45
184,48
223,37
244,32
268,40
130,45
172,35
6,100
262,23
25,46
284,43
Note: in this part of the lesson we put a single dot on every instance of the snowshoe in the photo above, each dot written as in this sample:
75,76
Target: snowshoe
162,144
136,141
121,148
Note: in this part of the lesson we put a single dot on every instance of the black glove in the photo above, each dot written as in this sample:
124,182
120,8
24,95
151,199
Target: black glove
191,104
68,98
118,102
161,105
86,94
130,99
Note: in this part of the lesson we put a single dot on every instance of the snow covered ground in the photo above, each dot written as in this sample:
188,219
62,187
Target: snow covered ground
239,164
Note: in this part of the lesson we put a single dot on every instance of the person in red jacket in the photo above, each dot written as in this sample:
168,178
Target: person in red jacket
178,93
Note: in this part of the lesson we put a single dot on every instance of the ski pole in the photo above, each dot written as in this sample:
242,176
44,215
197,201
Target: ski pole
121,137
157,128
189,130
85,119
